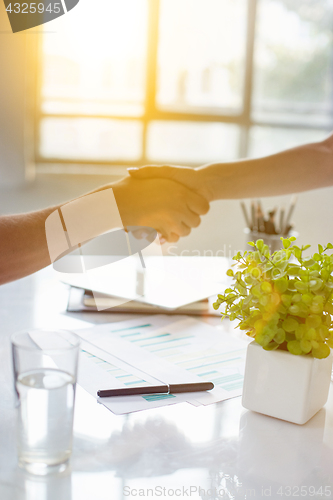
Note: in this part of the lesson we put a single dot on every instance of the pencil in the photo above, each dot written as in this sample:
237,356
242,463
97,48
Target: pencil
260,217
254,219
291,209
247,220
281,220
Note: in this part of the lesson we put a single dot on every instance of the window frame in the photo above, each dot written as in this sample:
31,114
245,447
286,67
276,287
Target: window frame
244,119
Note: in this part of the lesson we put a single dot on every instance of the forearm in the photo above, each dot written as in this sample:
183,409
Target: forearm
23,247
295,170
167,206
23,243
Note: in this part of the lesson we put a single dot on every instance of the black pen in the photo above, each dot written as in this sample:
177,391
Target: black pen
157,389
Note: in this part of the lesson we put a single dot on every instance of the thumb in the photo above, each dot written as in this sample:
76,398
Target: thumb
162,172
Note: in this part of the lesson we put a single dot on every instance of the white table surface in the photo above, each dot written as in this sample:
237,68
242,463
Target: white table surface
213,452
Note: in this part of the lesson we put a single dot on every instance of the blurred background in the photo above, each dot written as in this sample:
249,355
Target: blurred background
119,83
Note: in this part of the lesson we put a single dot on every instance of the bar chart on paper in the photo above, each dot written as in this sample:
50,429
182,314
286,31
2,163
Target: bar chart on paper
98,370
120,374
125,377
172,351
224,369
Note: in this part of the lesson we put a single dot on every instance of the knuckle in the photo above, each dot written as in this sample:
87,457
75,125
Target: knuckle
173,238
205,207
185,230
197,222
200,205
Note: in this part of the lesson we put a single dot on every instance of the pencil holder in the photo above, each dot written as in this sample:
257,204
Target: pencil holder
272,240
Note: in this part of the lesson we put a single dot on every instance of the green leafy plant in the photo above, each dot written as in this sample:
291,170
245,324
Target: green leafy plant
283,300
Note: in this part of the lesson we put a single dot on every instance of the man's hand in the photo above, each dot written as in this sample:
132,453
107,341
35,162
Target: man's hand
167,206
189,177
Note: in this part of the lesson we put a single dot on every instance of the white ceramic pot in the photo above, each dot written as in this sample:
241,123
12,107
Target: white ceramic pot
282,385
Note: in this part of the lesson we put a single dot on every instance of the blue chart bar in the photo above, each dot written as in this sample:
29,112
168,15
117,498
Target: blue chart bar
227,378
130,328
130,334
166,342
170,351
234,386
135,382
207,373
162,341
157,397
208,359
214,364
120,374
150,338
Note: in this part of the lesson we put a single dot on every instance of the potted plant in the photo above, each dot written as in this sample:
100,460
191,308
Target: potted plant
284,301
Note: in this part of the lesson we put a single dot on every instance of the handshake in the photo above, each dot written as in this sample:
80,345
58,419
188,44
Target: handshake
172,199
169,199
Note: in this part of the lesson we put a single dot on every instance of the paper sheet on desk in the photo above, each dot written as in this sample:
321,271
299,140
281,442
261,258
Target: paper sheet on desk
100,370
168,283
176,350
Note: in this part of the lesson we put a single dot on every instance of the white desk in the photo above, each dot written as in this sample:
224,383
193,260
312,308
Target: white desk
242,454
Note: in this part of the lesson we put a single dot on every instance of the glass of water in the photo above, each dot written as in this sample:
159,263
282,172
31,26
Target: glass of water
45,372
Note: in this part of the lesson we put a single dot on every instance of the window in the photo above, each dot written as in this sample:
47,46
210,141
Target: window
184,81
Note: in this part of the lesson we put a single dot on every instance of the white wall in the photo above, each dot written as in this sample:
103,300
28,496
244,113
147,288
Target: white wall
222,228
15,151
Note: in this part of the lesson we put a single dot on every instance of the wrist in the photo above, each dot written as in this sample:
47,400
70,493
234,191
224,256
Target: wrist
207,179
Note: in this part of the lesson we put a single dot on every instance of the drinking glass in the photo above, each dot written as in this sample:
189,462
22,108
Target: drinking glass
45,373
